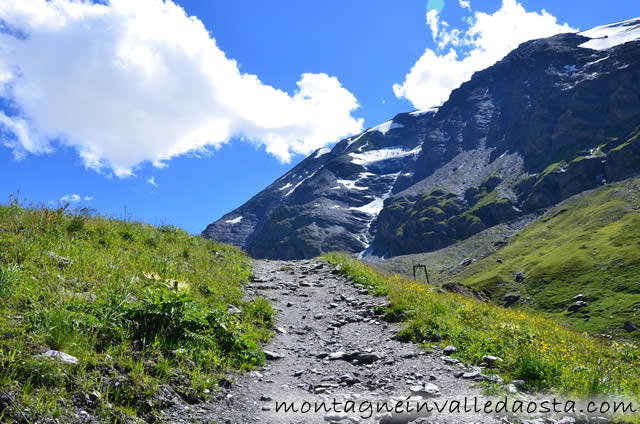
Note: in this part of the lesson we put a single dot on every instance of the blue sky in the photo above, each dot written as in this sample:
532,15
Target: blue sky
136,111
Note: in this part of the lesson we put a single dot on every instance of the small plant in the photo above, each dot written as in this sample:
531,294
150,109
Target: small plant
395,313
167,314
9,277
42,372
76,224
259,310
127,236
532,369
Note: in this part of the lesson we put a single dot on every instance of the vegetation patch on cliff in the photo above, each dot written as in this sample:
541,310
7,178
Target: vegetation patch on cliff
438,219
586,249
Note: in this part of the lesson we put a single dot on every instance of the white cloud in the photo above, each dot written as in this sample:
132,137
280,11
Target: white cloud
465,4
433,21
135,81
71,198
15,134
461,53
152,181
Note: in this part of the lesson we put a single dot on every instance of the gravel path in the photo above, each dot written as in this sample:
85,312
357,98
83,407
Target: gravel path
330,344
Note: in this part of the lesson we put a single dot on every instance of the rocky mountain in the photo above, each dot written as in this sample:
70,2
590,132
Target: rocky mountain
555,117
330,200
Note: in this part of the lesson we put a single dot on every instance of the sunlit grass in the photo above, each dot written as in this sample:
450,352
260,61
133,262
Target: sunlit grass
587,245
129,299
538,350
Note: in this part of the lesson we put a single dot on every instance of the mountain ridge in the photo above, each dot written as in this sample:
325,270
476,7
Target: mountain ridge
555,117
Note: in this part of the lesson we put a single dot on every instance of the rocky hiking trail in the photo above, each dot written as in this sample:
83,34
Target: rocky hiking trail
330,344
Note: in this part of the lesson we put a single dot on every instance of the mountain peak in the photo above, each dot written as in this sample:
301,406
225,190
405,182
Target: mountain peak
612,35
549,121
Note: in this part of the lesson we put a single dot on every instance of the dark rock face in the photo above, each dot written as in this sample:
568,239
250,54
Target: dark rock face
630,326
510,299
550,120
329,201
576,306
239,226
543,124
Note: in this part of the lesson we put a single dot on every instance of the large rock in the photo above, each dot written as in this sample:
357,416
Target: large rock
510,299
449,350
425,390
272,356
576,306
63,357
491,360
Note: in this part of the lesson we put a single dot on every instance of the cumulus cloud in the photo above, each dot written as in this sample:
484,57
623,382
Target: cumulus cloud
460,53
71,198
433,20
134,81
465,4
152,181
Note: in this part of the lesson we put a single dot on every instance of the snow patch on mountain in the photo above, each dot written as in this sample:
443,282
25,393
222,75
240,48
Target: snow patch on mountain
381,154
384,128
298,184
364,175
373,209
234,220
286,186
423,111
607,36
596,61
354,139
322,152
351,185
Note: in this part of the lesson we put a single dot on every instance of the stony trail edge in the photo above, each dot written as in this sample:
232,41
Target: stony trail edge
330,346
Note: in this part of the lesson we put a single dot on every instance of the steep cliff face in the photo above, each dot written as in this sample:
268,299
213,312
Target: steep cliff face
329,201
557,116
239,226
552,119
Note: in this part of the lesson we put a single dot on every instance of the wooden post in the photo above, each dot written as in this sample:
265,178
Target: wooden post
426,274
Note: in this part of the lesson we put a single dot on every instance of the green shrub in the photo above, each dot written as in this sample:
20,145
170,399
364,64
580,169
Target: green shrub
76,224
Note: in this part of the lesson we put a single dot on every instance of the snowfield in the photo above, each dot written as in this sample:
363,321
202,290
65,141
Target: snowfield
381,154
351,185
607,36
386,127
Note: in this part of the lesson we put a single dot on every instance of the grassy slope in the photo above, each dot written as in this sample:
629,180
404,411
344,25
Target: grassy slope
538,350
590,245
445,263
136,304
